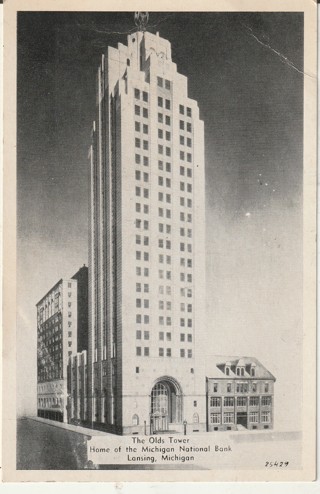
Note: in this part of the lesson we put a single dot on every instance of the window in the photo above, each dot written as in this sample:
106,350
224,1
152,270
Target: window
266,387
161,335
135,419
254,417
254,401
189,112
145,145
215,387
160,81
168,136
145,96
137,126
189,157
160,133
167,84
146,351
138,287
266,400
189,338
215,402
182,155
229,387
146,335
242,388
181,109
168,167
145,161
161,352
195,418
241,401
182,337
137,370
138,318
160,117
266,417
189,142
168,352
168,120
168,151
145,129
215,418
182,140
138,351
168,104
146,319
160,165
254,387
168,336
189,127
138,175
160,149
145,112
138,207
228,401
138,334
228,418
137,110
137,93
160,101
189,172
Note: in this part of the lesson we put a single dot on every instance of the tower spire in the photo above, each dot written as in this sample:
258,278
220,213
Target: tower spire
141,20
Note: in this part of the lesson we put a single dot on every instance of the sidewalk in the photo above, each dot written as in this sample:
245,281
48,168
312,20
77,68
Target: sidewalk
69,427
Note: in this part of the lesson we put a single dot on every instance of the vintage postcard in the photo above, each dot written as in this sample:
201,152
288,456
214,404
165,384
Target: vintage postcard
159,241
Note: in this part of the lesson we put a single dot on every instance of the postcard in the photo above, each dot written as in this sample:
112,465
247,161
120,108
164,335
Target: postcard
159,241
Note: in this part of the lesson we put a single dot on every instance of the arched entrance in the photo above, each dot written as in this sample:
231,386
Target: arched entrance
166,405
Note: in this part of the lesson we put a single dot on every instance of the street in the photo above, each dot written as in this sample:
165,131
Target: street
45,447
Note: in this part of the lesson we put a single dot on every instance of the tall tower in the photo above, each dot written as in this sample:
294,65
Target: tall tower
147,245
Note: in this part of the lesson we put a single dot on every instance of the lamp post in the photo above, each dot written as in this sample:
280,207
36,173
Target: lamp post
185,427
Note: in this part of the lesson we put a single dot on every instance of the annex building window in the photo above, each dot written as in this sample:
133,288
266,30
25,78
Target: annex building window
215,418
228,418
215,401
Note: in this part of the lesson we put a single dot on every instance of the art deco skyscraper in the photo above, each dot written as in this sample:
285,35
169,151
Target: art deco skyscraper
147,331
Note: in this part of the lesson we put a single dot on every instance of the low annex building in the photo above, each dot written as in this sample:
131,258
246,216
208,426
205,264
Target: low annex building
239,394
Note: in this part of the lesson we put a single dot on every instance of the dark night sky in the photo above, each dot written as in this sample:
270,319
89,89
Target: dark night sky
251,102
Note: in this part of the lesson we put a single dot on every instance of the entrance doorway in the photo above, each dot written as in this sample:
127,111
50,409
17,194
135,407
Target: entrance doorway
242,419
166,405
